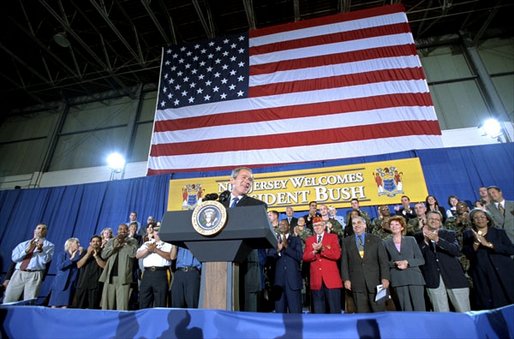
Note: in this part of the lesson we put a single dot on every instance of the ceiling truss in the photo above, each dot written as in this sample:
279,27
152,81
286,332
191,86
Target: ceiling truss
116,45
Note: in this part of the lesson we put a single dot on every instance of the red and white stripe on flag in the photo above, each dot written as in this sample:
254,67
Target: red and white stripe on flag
335,87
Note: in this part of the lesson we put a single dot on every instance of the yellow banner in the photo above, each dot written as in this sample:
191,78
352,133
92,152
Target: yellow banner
374,183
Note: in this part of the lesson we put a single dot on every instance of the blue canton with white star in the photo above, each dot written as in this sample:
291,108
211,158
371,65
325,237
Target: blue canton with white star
200,73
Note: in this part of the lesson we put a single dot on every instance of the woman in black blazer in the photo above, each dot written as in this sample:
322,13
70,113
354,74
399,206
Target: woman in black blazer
491,266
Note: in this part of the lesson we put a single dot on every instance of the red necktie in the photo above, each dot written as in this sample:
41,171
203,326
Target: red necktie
26,260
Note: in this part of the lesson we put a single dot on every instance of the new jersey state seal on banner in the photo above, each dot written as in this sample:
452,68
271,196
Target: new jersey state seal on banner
209,217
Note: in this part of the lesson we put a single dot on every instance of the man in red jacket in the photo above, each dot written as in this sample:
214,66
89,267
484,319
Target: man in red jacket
322,250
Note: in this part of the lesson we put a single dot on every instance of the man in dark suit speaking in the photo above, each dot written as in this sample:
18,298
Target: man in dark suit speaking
251,274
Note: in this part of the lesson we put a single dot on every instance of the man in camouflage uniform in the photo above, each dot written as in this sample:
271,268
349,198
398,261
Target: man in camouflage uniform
415,225
301,230
379,226
354,203
333,226
459,224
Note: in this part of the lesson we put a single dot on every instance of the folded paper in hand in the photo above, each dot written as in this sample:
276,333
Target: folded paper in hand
382,294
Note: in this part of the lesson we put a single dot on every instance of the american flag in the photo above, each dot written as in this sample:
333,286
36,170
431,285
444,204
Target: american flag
335,87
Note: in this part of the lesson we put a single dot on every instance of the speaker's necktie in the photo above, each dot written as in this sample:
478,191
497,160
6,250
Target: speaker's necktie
234,202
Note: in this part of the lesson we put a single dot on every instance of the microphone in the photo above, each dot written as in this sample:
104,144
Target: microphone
211,196
224,196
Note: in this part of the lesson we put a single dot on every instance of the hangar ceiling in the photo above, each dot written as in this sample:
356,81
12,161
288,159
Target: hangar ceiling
55,50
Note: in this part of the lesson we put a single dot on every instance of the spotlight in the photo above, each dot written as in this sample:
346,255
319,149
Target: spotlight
491,128
116,162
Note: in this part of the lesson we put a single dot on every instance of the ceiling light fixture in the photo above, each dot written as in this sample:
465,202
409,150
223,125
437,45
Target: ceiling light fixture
61,39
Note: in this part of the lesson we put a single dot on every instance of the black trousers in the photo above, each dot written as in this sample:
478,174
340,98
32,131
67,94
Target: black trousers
154,289
88,297
185,290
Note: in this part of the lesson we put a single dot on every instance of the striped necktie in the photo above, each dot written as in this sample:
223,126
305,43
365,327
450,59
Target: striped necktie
501,209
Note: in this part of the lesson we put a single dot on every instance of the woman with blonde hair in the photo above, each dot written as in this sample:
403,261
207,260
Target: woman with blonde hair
65,280
106,235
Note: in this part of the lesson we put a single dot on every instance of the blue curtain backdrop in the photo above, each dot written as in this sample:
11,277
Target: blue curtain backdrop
76,211
83,210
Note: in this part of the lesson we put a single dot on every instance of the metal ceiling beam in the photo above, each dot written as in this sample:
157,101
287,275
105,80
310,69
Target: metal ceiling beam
438,17
45,64
103,13
296,9
137,38
100,35
210,20
69,30
174,39
206,24
343,6
53,139
44,47
486,24
31,34
425,14
138,45
165,9
17,85
146,5
250,14
23,63
123,11
106,54
99,76
84,45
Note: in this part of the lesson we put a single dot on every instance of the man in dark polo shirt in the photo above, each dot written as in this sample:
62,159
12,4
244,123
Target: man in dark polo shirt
91,265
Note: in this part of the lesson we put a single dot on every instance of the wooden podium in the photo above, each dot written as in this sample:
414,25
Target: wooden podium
247,228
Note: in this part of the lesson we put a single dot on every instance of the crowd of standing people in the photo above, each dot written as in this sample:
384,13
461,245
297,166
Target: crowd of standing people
419,257
413,258
127,271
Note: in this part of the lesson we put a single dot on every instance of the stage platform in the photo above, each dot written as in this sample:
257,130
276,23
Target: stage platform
43,322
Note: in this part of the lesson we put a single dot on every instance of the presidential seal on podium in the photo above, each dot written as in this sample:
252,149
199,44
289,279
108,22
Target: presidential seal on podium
209,217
